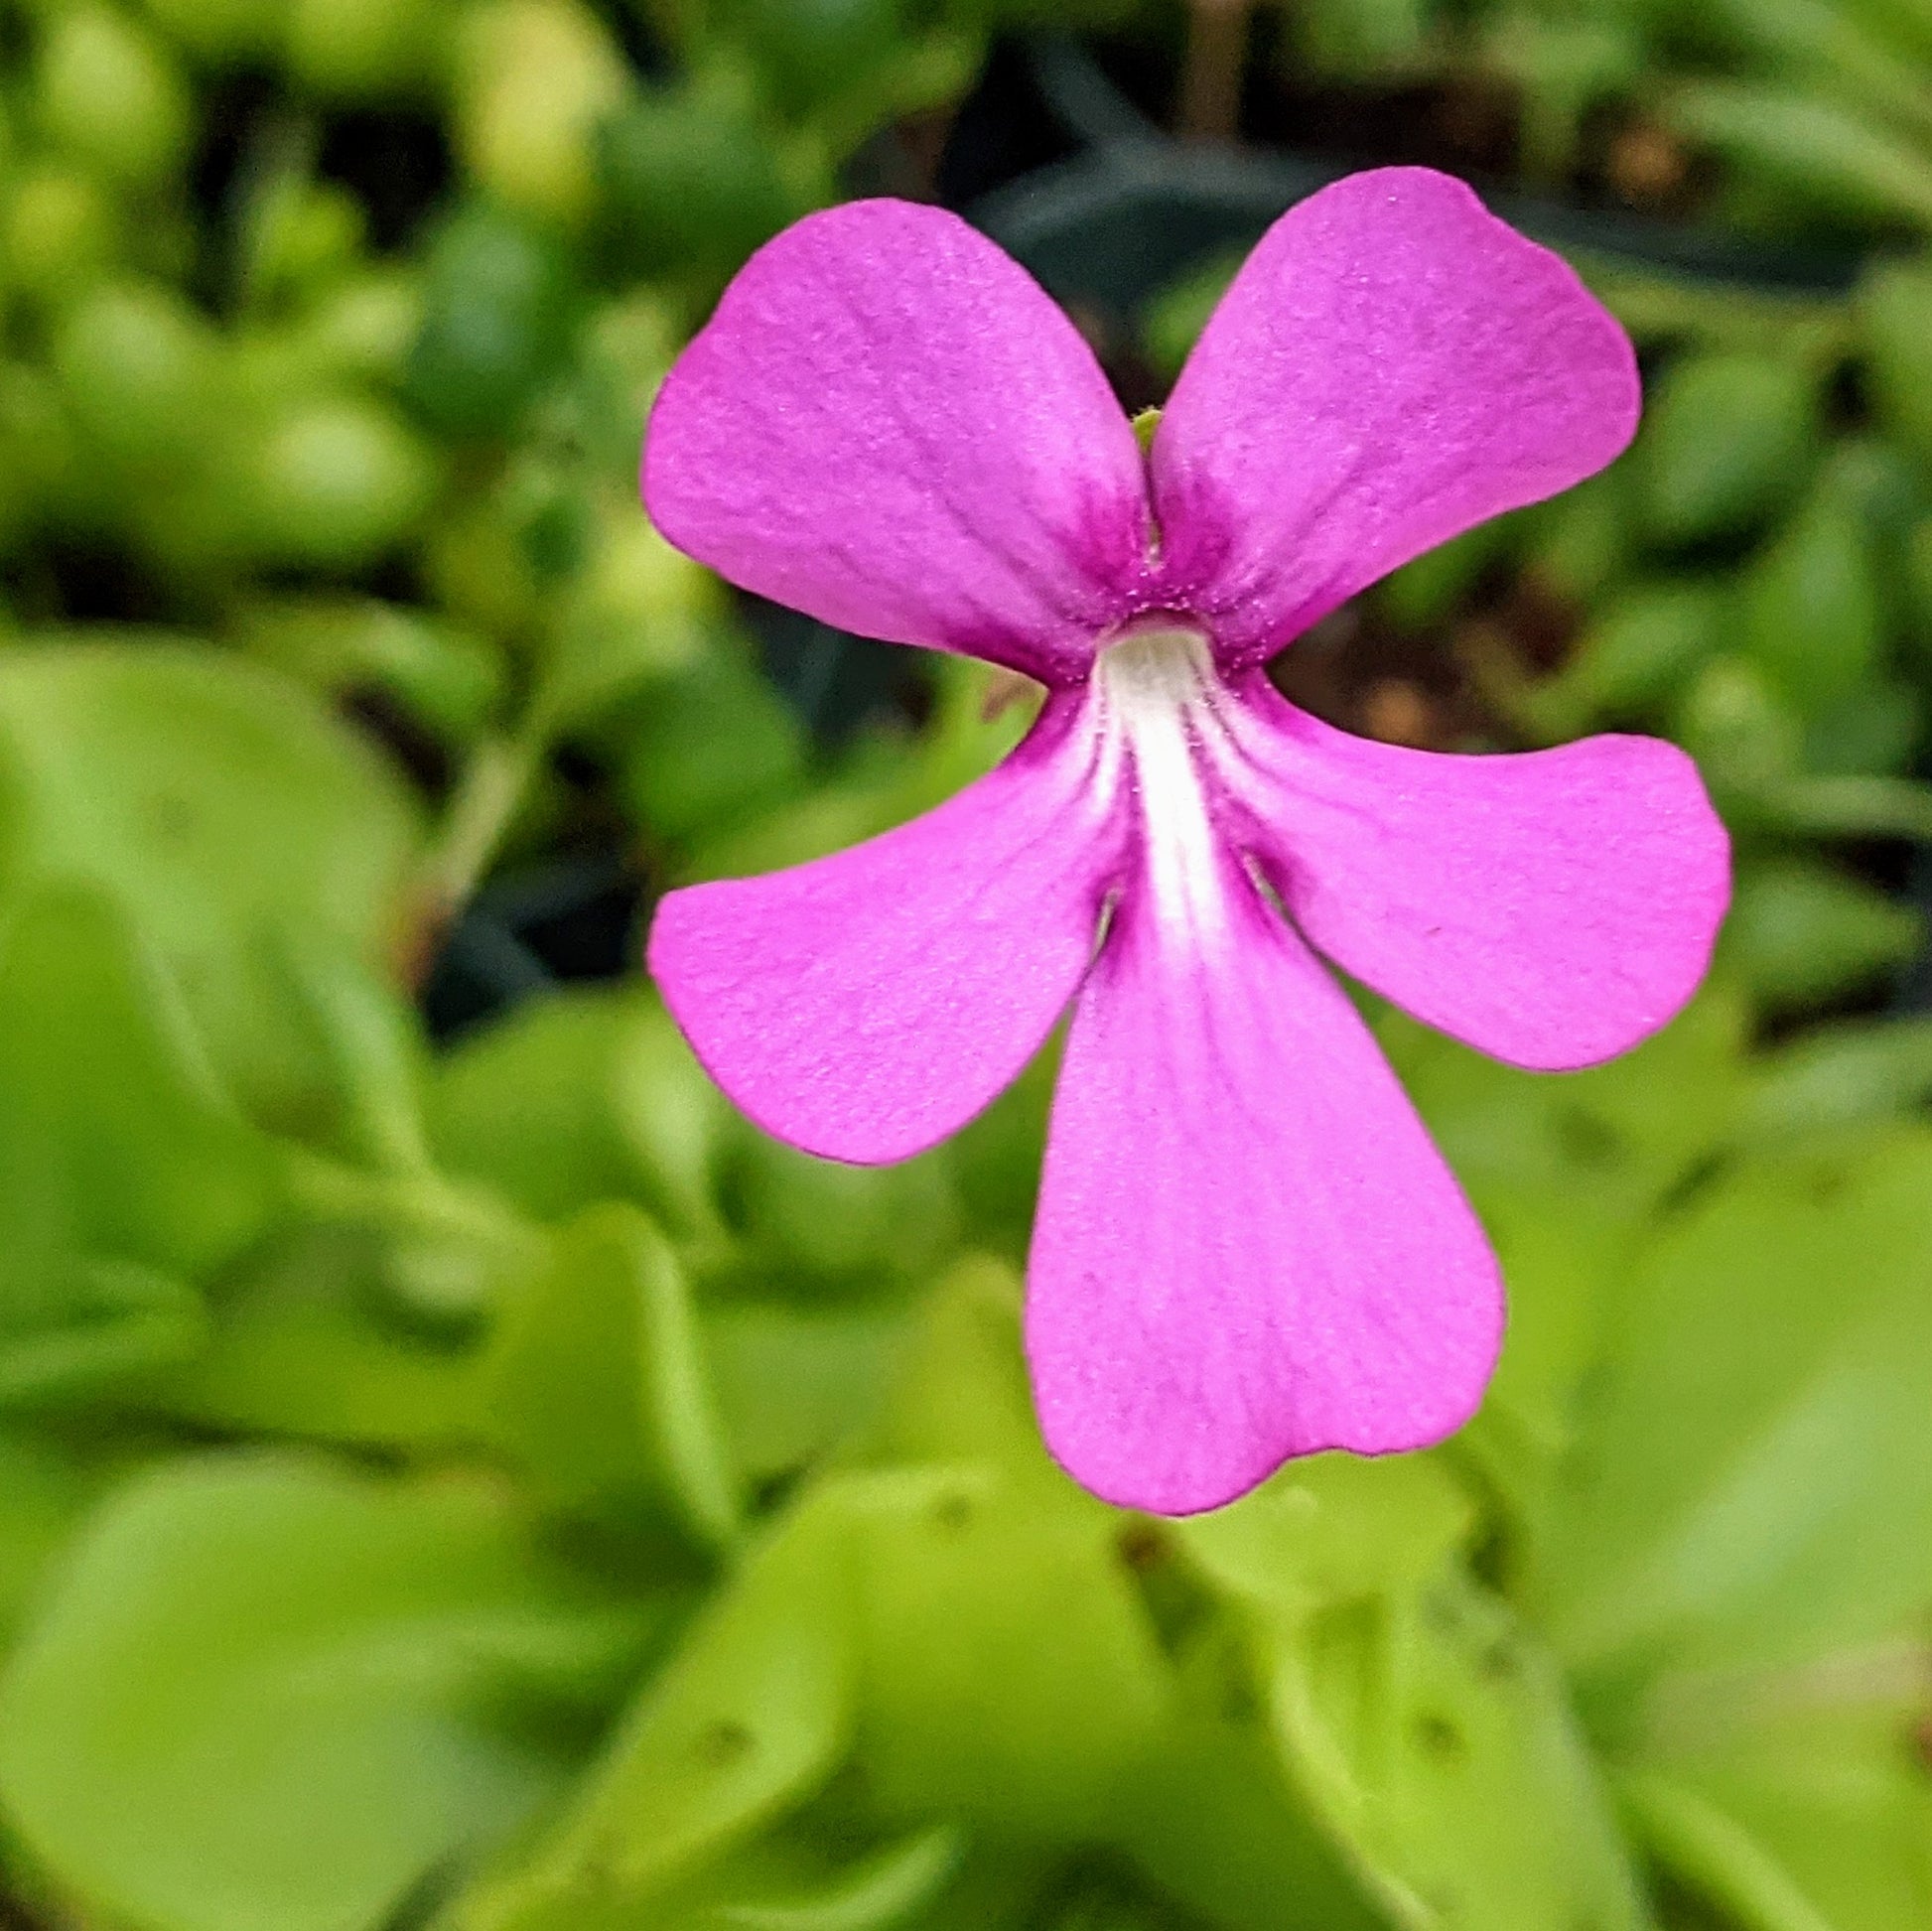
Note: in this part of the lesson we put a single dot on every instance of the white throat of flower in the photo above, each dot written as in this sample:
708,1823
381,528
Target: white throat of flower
1155,711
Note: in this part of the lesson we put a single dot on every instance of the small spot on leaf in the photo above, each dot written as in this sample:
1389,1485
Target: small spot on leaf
953,1512
725,1742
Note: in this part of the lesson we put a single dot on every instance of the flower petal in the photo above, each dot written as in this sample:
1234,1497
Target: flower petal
888,424
1246,1248
867,1004
1549,908
1391,367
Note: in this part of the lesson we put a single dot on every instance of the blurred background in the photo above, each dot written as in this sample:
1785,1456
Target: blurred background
452,1471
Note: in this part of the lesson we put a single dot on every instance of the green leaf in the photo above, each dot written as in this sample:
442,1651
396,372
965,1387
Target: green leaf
44,1491
810,1219
929,74
497,300
108,92
1616,1138
368,1041
873,1895
810,52
1358,40
1750,1485
637,611
1214,1818
100,1324
1843,807
125,1177
1432,1737
709,745
1747,739
1009,1672
1795,1803
1872,731
1845,47
1833,160
226,812
1875,476
332,481
1173,319
793,1382
364,49
1562,1258
1800,932
533,79
961,1393
1421,1724
1811,617
297,1348
268,1693
1848,1076
998,1157
692,182
1330,1530
1728,440
752,1715
1896,313
221,32
595,1380
140,373
980,716
1426,591
1580,542
1562,69
1566,1173
585,1097
1635,657
1903,26
447,678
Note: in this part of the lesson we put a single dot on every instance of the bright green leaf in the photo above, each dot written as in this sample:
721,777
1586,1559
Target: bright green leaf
225,810
125,1177
751,1715
1333,1529
792,1382
1796,1803
268,1693
579,1097
1010,1673
1750,1483
1433,1738
298,1347
595,1382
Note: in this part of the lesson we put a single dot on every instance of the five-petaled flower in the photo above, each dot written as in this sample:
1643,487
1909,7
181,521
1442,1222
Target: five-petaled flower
1246,1247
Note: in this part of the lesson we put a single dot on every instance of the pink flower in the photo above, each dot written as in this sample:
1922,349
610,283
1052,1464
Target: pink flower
1247,1247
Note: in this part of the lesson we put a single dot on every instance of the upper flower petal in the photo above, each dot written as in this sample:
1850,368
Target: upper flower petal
1391,367
1549,908
867,1004
1246,1247
888,424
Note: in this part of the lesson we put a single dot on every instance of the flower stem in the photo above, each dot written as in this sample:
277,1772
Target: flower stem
487,798
1210,83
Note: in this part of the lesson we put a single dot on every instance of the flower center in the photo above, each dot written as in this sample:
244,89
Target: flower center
1153,692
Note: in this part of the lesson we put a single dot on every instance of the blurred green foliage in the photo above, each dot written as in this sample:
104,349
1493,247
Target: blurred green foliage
491,1486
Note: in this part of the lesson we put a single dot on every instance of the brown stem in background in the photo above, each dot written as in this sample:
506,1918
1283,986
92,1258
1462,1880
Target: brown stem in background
492,790
1211,83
